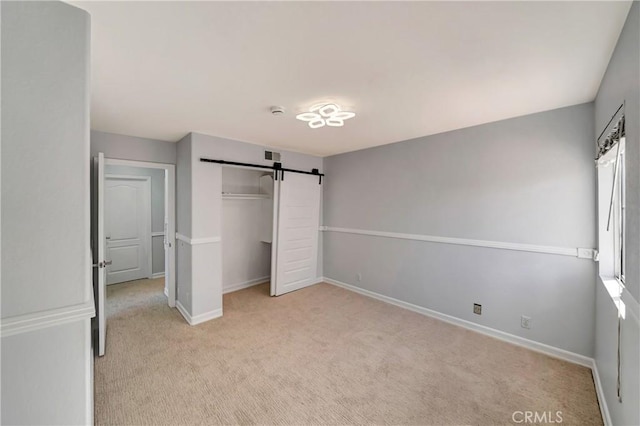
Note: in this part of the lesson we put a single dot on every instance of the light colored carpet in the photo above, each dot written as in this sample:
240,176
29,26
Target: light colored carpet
321,355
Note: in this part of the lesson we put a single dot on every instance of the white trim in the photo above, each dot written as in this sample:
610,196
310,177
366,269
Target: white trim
166,292
183,238
157,234
136,163
239,286
195,241
183,311
583,253
492,332
206,240
89,359
198,319
620,295
157,275
229,196
48,318
602,401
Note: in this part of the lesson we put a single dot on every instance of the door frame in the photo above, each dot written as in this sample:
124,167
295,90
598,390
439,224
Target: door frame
147,201
170,215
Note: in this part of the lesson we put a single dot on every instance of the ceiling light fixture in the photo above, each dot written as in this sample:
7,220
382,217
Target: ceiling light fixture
323,114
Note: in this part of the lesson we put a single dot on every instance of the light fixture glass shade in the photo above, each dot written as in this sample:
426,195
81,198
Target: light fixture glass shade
317,123
323,114
329,109
308,116
333,122
343,115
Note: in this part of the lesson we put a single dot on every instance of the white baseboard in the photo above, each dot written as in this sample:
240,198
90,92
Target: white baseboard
239,286
157,275
602,401
198,319
492,332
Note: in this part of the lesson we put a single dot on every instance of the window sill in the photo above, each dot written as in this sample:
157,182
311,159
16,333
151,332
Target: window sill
615,288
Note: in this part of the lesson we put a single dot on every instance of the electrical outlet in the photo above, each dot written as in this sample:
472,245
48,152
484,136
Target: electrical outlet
359,276
477,309
525,322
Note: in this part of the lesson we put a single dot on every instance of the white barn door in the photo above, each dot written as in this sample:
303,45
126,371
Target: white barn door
296,220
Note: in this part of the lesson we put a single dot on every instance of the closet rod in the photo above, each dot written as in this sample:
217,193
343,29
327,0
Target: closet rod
276,166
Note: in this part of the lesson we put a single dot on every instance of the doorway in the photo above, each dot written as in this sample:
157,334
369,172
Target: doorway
163,216
124,228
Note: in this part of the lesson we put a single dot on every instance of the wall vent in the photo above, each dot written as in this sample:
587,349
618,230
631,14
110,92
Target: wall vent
271,156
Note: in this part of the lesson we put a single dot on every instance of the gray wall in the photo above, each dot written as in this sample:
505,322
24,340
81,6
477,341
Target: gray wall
183,221
45,151
619,84
132,148
526,180
46,266
157,208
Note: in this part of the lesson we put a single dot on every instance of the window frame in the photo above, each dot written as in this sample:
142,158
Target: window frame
611,207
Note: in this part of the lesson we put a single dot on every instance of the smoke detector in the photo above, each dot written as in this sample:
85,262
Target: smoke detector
277,110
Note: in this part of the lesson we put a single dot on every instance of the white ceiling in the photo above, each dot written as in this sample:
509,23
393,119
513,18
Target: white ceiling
163,69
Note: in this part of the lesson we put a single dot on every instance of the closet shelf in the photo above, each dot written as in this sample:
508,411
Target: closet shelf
230,196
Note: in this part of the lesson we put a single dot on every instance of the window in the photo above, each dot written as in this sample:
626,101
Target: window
611,221
611,212
611,209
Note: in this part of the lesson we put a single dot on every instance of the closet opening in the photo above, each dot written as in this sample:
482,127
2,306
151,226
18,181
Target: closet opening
269,228
247,228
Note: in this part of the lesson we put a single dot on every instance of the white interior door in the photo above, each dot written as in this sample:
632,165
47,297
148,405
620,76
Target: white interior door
100,261
128,227
296,232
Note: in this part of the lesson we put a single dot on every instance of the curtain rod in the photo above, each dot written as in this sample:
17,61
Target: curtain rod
276,166
610,120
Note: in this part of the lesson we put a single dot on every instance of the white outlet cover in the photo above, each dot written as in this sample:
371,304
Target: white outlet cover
586,253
